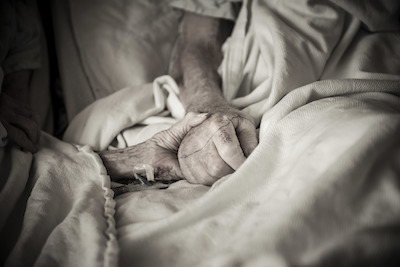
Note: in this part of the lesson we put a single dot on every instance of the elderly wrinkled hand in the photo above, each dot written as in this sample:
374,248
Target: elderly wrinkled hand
159,152
218,146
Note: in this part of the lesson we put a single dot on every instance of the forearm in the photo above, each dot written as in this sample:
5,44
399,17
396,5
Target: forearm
120,163
201,85
159,152
196,64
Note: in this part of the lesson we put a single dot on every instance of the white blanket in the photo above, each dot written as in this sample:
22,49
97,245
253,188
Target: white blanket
320,189
320,185
69,214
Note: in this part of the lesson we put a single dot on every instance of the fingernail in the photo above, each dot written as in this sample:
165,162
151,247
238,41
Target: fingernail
201,115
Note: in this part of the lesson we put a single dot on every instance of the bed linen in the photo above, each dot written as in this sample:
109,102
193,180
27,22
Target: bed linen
326,206
320,189
126,34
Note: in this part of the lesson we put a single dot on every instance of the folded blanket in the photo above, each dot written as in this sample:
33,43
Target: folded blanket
321,188
69,215
277,47
101,122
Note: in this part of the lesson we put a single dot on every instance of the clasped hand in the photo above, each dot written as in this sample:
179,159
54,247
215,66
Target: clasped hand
201,148
218,146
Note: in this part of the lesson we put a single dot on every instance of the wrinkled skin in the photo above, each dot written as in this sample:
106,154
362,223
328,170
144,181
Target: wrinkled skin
218,146
160,152
221,144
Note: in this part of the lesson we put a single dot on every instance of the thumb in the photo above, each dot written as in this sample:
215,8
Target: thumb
171,139
181,128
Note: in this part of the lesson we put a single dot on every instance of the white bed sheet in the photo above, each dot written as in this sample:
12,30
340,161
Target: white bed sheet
320,185
321,188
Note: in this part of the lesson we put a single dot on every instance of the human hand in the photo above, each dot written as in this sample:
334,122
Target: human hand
20,122
160,152
218,146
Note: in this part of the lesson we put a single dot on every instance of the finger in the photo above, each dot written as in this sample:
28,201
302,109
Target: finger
205,167
195,172
195,119
216,167
181,128
228,146
20,138
247,135
170,170
171,138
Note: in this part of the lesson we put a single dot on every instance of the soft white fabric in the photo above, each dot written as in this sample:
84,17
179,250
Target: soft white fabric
322,181
14,165
69,215
130,34
320,189
77,93
286,45
101,122
44,220
94,36
138,36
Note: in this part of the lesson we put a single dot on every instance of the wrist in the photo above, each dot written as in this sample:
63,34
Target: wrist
120,163
212,106
204,102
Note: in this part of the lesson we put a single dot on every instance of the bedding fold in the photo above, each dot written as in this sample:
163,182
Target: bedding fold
136,36
102,121
323,177
69,214
320,189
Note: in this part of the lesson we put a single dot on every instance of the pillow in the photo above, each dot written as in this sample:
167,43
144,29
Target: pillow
123,43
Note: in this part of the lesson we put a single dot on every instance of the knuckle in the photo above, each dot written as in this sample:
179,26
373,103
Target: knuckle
219,116
219,122
224,117
214,170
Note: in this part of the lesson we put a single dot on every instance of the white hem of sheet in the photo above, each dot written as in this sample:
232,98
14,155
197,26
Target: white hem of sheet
112,249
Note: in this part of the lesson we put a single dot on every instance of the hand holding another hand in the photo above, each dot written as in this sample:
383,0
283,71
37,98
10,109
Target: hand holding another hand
159,152
218,146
